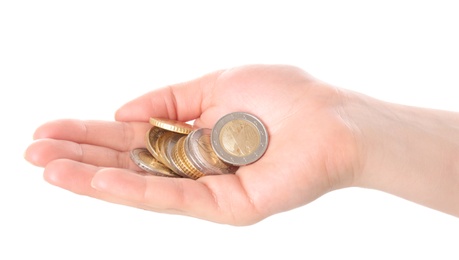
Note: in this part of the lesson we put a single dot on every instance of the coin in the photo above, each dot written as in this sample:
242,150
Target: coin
239,138
152,136
181,160
199,150
143,158
166,151
176,149
172,125
161,144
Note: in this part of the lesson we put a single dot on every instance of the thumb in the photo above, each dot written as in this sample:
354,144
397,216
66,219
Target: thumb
183,101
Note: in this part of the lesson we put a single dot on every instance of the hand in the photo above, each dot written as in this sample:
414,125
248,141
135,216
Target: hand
311,151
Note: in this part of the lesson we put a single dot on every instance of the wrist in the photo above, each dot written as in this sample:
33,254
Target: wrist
407,151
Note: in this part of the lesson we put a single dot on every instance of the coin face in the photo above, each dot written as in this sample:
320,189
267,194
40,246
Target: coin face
143,158
172,125
239,138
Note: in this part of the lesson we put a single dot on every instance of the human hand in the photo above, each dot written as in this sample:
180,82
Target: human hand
311,151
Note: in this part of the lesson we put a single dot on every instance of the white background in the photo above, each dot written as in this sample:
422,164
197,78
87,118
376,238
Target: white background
84,59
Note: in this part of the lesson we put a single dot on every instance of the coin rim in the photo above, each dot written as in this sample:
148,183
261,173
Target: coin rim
239,160
182,161
171,125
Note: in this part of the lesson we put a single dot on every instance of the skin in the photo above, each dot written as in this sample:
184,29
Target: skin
322,138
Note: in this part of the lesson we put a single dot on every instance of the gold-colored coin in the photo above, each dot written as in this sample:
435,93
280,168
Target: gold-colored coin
181,160
143,158
151,138
168,152
165,146
160,147
172,125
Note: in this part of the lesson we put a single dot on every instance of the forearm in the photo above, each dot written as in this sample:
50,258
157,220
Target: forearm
407,151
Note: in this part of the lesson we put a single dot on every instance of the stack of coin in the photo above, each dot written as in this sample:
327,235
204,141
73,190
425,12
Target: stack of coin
176,149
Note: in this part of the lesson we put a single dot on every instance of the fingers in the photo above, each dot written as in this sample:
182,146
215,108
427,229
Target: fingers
72,176
158,194
184,101
114,135
99,143
43,151
76,177
215,198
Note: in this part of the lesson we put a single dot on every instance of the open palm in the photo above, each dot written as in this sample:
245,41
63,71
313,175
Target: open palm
311,149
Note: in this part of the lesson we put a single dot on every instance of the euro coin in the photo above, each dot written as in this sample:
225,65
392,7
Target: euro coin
199,150
239,138
143,158
166,151
161,144
172,125
152,136
181,160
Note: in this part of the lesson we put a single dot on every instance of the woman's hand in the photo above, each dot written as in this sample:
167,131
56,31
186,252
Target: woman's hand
311,150
321,138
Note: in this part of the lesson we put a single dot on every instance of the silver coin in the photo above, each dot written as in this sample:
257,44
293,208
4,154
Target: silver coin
145,160
239,138
199,150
